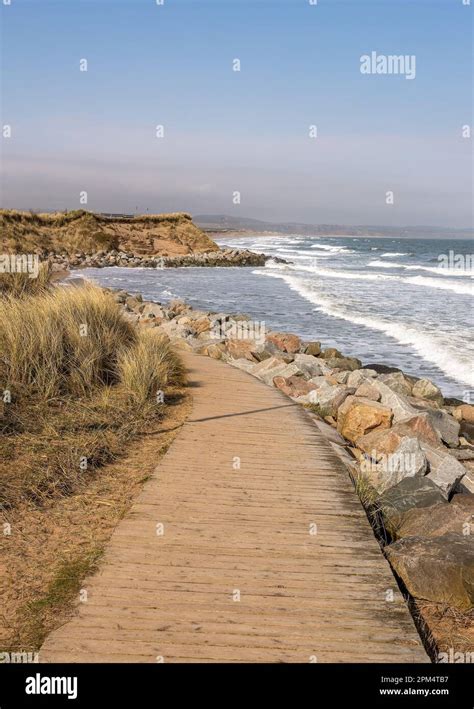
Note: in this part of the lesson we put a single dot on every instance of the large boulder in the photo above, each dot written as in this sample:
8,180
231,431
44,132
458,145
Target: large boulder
467,431
283,370
357,416
243,364
445,471
401,407
437,569
408,460
457,517
273,351
425,389
446,426
343,363
359,376
284,341
397,382
464,412
241,349
153,311
423,426
328,398
330,353
310,365
313,348
293,386
367,391
409,493
466,484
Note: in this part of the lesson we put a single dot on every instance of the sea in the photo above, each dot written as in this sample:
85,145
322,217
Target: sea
403,302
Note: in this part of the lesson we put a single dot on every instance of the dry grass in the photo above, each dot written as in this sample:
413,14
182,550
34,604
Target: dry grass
81,231
53,547
20,284
150,366
82,381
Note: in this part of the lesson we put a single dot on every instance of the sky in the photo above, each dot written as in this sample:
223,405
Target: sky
238,142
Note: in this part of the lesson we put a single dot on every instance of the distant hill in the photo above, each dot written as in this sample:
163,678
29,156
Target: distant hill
68,232
225,223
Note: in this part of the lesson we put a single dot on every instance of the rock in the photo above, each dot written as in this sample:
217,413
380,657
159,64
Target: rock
132,303
341,377
367,391
310,365
293,386
214,351
239,349
344,363
274,351
410,492
329,398
284,341
359,376
467,430
465,412
439,569
381,368
466,484
457,517
274,367
181,344
462,454
243,364
331,353
445,471
446,426
387,441
201,325
358,416
313,348
328,431
407,461
177,307
425,389
399,404
397,382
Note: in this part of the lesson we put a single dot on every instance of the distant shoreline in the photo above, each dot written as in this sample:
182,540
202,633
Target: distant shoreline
244,233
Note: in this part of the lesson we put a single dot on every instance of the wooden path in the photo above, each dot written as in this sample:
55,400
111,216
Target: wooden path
249,544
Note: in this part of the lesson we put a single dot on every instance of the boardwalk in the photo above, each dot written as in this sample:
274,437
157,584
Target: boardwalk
247,545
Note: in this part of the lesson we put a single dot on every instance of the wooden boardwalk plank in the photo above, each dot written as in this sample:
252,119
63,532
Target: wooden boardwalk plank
232,572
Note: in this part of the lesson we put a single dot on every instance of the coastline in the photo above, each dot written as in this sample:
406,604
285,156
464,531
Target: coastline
408,451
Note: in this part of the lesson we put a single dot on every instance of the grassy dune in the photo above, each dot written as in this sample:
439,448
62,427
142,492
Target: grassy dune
82,380
79,230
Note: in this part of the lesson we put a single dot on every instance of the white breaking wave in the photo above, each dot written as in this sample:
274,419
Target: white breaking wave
332,273
333,249
460,289
391,254
432,347
459,272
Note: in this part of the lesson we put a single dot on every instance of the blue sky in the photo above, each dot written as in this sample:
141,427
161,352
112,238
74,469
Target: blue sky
244,131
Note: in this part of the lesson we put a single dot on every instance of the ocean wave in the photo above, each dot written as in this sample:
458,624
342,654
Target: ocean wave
440,271
331,272
431,347
333,249
459,288
391,254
